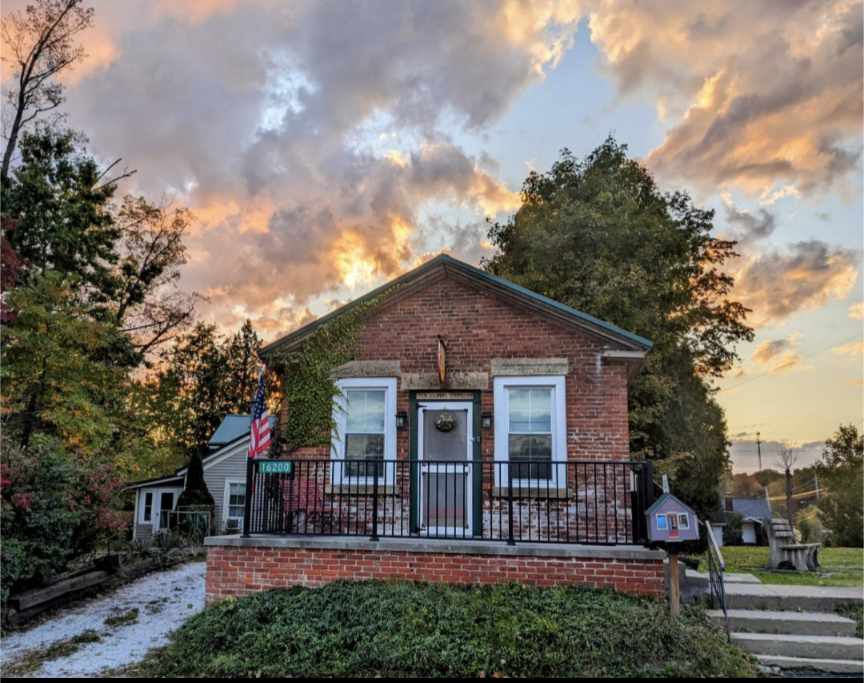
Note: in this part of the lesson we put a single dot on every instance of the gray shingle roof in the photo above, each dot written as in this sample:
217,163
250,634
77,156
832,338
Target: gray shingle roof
751,508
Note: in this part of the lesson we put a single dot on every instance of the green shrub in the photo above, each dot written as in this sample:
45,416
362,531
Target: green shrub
407,630
53,507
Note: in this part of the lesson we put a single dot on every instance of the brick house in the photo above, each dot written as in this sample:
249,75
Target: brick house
482,436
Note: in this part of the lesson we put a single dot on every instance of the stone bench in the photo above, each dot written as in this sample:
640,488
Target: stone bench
785,553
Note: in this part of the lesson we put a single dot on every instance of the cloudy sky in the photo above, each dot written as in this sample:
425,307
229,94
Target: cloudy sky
329,145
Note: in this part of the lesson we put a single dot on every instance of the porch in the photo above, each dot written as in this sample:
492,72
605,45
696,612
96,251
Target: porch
310,522
579,503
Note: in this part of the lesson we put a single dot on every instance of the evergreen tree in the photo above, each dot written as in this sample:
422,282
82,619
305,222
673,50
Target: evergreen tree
196,493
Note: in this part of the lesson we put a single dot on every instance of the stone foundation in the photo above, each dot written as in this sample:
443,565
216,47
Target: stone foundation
239,566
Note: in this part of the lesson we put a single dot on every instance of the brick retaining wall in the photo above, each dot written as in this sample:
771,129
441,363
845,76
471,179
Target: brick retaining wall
243,568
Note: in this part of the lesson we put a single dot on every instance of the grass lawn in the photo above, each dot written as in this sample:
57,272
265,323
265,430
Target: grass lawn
410,630
840,567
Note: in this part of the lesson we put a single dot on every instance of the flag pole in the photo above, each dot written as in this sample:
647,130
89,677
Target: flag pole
250,465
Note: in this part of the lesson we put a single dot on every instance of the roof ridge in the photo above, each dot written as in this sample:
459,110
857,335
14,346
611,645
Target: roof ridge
447,260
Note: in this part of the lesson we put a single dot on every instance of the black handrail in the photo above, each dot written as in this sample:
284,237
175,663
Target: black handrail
598,503
716,567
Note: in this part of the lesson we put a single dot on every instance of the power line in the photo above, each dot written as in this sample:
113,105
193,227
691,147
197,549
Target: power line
771,372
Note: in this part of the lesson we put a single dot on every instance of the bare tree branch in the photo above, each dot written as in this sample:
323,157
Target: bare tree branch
40,42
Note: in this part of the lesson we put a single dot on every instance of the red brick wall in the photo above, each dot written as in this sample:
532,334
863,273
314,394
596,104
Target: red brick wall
479,328
236,571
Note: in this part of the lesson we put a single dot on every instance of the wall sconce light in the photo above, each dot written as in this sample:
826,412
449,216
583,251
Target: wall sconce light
401,419
486,419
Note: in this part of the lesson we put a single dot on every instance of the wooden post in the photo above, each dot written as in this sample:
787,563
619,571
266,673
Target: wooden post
674,581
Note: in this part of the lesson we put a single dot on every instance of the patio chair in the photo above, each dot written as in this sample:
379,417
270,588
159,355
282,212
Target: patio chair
303,505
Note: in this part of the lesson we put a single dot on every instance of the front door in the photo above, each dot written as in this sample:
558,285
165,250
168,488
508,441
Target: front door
445,448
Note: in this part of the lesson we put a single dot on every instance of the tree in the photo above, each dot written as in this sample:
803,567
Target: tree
598,235
63,209
54,506
54,378
202,378
12,268
125,260
841,480
786,460
148,305
39,44
196,493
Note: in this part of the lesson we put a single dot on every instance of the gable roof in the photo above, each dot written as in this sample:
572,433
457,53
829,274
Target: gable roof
662,499
448,265
232,427
751,509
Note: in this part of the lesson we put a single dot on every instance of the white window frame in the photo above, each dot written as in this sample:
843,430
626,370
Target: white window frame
142,497
227,498
502,425
338,473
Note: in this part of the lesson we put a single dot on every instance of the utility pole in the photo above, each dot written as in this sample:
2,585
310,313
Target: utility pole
816,479
759,449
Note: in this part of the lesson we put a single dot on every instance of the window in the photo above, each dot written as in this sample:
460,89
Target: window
147,508
364,430
661,522
530,432
530,428
683,520
235,500
366,423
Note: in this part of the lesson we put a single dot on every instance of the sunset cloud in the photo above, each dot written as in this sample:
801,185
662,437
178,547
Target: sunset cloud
856,311
779,354
781,117
852,350
777,284
267,118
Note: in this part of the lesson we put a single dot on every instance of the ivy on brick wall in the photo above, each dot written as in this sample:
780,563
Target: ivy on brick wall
306,381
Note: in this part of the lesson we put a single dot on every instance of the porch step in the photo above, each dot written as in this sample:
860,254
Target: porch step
824,666
806,647
742,596
797,623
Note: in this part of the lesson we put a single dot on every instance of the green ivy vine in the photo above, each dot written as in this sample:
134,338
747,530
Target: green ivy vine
306,381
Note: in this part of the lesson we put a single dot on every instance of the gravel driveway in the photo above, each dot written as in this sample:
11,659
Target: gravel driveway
164,600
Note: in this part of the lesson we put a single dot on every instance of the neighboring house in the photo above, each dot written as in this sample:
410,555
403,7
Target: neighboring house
224,474
514,441
752,511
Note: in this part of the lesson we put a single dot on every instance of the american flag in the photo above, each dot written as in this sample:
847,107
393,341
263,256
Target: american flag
260,438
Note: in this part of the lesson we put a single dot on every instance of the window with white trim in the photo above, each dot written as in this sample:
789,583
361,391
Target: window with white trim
531,428
235,500
365,415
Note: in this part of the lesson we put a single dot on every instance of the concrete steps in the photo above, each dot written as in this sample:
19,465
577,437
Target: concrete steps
795,627
790,598
789,623
805,647
824,666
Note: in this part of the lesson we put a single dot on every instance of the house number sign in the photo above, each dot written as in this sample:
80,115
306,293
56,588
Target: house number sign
276,467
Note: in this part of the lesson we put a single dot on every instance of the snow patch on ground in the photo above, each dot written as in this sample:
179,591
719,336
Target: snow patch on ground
165,600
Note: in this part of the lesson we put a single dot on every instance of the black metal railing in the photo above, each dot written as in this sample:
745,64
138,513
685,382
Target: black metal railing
599,503
716,567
